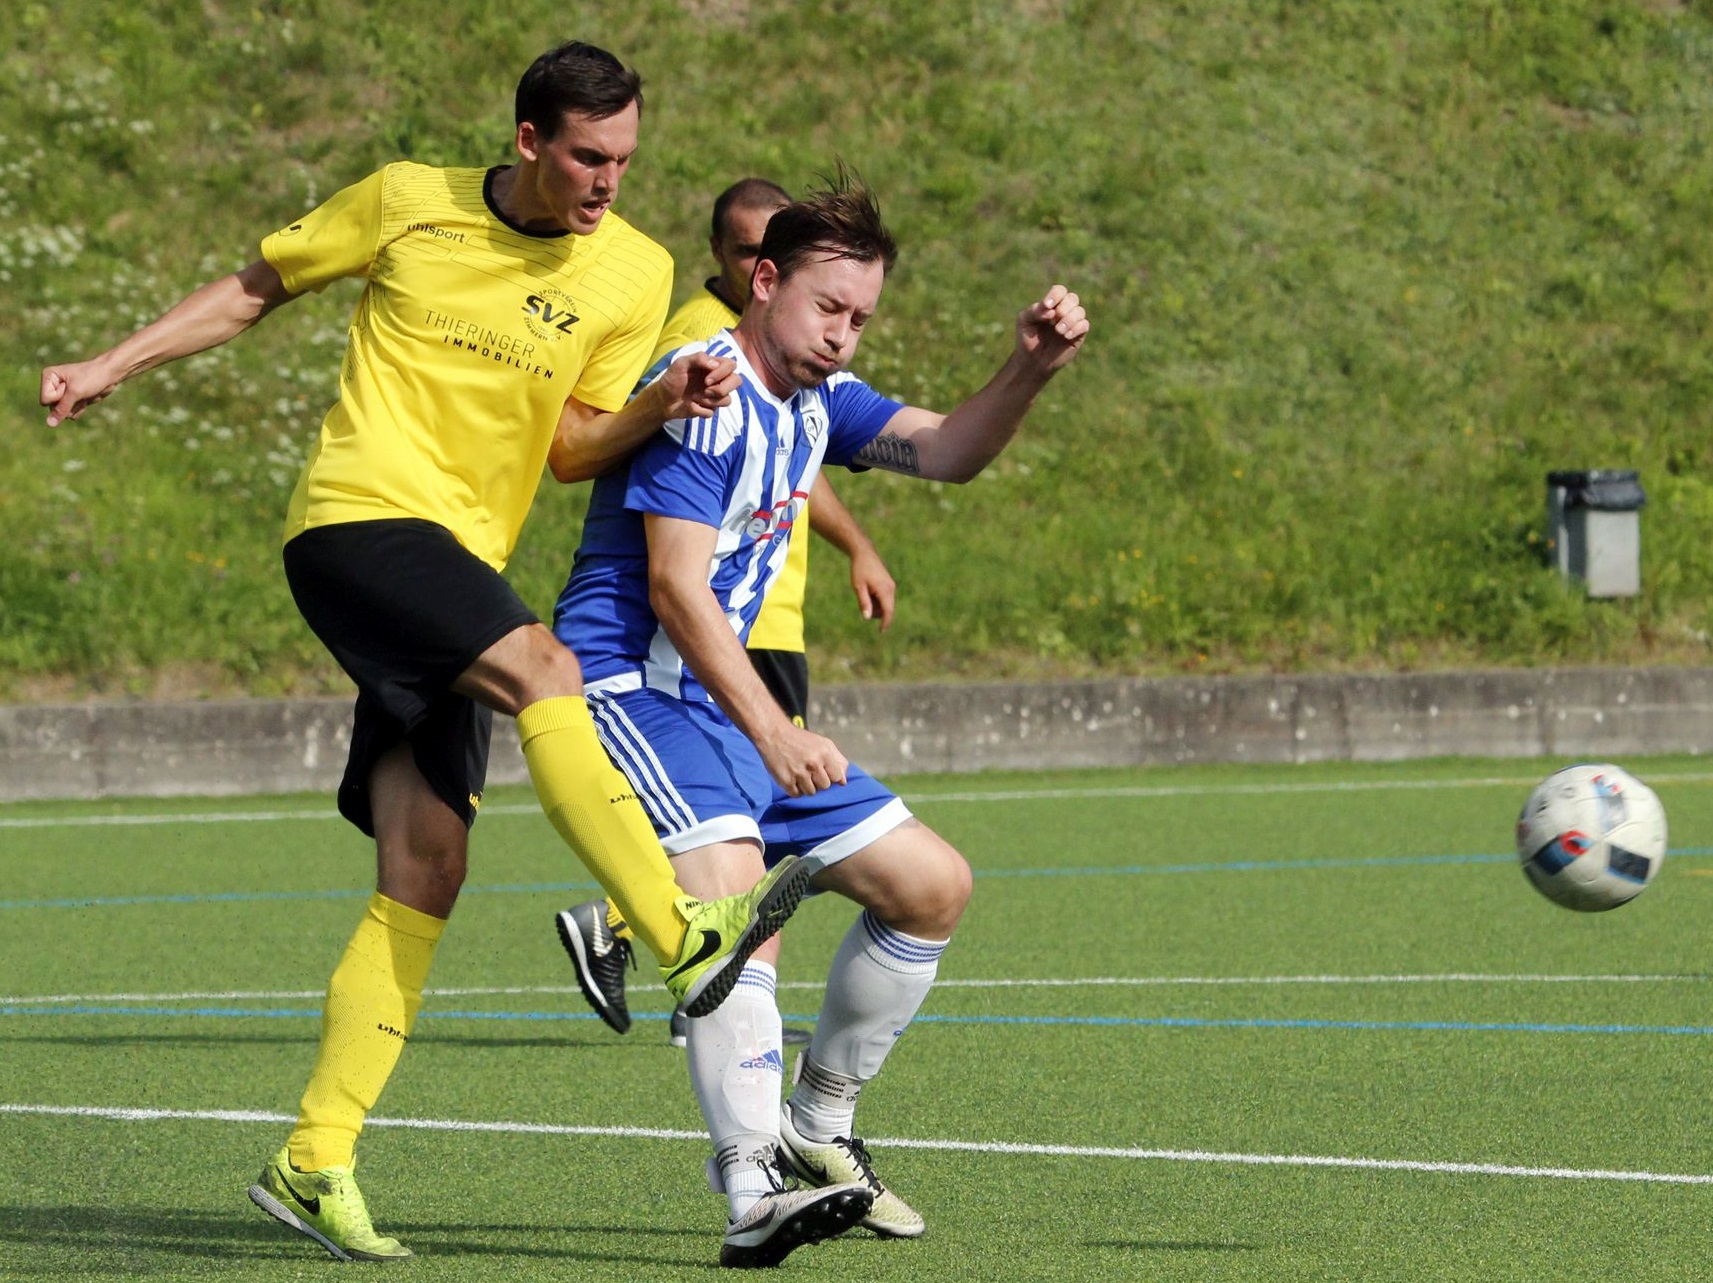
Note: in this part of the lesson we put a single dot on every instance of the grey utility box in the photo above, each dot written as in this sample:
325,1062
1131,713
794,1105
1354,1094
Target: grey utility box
1594,522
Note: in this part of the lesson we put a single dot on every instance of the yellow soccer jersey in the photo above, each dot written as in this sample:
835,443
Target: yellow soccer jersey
702,317
780,624
467,341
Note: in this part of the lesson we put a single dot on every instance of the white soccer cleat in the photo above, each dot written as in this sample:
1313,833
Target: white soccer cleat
845,1160
791,1218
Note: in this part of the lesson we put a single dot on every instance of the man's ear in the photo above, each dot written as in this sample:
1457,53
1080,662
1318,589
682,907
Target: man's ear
528,142
765,280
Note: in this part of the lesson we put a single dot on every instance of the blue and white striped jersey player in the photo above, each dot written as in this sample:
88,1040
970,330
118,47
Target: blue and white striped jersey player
677,553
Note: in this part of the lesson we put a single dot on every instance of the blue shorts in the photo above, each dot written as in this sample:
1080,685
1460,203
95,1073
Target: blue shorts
702,781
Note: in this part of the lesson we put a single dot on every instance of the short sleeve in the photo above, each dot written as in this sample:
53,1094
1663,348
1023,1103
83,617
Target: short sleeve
337,239
613,368
700,318
856,415
684,472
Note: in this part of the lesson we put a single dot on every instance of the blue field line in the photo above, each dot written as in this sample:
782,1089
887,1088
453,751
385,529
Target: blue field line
1105,1022
240,897
1075,871
1245,866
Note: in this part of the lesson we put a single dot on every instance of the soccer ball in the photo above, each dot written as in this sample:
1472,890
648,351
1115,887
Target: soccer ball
1591,837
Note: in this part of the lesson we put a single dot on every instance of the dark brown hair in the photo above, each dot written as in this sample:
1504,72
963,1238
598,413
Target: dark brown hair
841,220
575,77
747,193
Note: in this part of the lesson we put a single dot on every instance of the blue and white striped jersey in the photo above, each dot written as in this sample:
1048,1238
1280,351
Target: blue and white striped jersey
747,472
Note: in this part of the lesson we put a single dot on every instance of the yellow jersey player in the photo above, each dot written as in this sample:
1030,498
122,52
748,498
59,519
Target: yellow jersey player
595,934
506,316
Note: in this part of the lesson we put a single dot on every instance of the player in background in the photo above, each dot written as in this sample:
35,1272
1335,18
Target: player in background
506,317
595,934
678,551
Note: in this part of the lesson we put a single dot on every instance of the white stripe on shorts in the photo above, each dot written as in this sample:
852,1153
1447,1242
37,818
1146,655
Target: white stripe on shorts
858,835
631,751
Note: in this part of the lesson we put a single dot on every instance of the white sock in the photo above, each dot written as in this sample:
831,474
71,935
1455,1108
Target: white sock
877,983
738,1170
736,1067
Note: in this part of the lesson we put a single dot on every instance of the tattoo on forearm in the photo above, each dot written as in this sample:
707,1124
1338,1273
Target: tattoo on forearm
892,452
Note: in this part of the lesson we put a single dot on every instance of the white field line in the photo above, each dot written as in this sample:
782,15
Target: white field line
1000,795
115,1114
1448,978
1254,790
182,817
1068,982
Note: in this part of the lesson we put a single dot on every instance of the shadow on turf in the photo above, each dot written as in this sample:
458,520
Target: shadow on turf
93,1232
603,1040
1168,1245
312,1036
451,1241
171,1232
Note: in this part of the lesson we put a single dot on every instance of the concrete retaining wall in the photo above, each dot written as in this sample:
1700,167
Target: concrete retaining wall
277,746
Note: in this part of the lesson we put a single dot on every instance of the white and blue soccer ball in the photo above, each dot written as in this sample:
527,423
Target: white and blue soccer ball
1591,837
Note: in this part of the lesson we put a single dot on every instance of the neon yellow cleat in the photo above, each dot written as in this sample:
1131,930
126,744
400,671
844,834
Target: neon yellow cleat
327,1206
723,933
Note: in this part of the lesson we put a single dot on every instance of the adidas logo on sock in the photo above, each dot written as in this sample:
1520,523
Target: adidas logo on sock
767,1060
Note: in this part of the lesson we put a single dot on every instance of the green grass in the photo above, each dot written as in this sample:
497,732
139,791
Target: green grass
1232,873
1351,268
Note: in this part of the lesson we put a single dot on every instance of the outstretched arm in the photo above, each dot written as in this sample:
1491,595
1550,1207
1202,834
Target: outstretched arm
216,312
679,553
590,441
870,581
957,446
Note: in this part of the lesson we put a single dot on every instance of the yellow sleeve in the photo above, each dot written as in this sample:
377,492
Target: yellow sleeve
702,317
613,370
338,238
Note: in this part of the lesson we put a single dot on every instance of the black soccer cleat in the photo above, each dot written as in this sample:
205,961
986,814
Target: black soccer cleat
599,958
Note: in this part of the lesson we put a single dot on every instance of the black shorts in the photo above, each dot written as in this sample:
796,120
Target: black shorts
786,673
405,609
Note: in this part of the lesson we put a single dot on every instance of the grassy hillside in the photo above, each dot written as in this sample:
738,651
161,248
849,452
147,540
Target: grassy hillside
1360,276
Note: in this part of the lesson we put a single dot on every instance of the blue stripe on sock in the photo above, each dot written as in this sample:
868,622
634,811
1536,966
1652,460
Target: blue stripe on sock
899,947
766,981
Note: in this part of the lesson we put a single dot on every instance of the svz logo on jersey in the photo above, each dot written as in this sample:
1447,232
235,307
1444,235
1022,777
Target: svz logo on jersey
549,314
562,321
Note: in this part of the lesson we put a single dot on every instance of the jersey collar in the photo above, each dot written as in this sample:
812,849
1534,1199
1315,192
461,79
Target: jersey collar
494,209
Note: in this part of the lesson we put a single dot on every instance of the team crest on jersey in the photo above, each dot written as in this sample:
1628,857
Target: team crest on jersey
549,314
814,421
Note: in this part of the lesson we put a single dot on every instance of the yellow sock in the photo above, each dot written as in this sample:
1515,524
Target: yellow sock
372,1002
595,810
616,922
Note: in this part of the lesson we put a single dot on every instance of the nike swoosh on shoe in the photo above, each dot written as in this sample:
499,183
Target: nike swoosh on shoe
710,946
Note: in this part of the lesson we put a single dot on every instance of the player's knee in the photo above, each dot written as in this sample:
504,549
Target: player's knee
423,869
552,662
441,876
951,888
933,899
544,668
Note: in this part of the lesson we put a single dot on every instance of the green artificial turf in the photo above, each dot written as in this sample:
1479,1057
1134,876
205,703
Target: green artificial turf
1310,971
